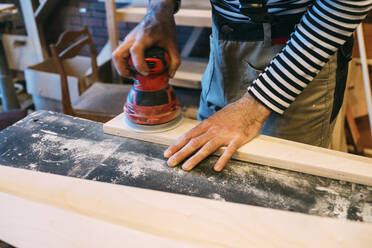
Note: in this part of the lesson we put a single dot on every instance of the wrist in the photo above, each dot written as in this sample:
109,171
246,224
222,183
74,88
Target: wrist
261,113
165,7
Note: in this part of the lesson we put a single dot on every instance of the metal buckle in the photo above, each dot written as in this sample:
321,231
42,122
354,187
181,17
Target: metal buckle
256,10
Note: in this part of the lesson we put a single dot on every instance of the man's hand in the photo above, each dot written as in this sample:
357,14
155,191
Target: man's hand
156,29
232,126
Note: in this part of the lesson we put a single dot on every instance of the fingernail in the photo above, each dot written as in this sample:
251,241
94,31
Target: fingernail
167,154
172,162
185,167
217,168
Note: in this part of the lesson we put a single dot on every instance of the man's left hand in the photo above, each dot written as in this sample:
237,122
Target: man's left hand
233,126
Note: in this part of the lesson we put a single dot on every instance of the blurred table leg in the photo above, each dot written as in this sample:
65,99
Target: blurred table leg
7,90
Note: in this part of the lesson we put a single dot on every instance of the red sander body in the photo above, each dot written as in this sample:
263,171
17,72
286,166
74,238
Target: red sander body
152,105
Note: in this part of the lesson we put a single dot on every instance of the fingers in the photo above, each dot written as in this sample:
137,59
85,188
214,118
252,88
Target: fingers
120,57
175,60
204,152
184,139
135,48
137,52
193,145
226,156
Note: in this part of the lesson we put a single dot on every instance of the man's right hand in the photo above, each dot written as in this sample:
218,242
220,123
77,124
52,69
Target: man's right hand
156,29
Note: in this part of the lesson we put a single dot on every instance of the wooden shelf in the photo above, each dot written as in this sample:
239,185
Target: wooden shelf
189,74
185,17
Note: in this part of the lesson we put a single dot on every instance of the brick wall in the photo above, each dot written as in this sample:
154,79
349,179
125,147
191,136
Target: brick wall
74,14
69,15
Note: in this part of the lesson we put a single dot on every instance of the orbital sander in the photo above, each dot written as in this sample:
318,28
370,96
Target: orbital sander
152,105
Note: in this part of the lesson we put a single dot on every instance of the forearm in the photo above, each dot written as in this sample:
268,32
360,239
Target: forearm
323,29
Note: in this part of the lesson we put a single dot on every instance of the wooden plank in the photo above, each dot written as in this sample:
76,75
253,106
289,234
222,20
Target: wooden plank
33,30
369,61
367,27
270,151
366,80
112,25
26,223
189,74
185,17
185,219
113,33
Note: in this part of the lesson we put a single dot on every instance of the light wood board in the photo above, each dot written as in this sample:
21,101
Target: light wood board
169,217
26,223
270,151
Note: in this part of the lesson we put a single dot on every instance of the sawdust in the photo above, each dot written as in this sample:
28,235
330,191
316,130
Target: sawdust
80,150
273,175
138,165
53,118
366,213
340,209
335,199
216,196
33,167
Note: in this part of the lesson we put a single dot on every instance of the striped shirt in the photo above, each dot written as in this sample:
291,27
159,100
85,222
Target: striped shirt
324,27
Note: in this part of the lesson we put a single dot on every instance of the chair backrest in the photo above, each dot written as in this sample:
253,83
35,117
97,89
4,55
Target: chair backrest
69,45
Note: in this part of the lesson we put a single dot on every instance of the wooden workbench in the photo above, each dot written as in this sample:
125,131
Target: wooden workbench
76,148
63,145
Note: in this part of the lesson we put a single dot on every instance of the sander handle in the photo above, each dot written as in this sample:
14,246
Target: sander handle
157,60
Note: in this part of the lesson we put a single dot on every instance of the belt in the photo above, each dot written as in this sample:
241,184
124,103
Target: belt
249,31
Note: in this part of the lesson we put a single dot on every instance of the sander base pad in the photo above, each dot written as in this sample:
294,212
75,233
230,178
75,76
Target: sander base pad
140,128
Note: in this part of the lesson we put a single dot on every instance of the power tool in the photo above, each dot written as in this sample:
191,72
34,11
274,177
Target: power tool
152,105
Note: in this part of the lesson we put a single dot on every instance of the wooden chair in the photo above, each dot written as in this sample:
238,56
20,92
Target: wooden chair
101,101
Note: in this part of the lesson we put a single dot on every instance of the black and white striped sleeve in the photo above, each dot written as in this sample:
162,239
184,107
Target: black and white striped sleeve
323,29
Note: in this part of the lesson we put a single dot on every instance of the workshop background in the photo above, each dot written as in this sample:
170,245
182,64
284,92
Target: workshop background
30,81
73,14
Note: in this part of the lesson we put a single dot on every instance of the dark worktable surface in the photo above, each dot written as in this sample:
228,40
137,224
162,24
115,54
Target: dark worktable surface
59,144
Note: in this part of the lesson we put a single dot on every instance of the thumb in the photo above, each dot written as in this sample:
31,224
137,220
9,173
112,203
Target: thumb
137,53
175,60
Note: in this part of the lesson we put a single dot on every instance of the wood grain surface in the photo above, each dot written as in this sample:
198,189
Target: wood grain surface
171,217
